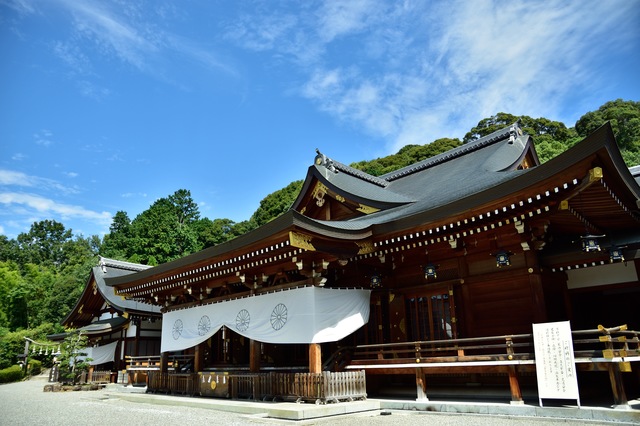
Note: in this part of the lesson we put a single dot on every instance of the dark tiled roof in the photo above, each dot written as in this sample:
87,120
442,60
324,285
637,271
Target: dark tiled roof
442,179
109,268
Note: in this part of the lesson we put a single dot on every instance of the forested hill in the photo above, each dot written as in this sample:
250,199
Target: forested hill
43,271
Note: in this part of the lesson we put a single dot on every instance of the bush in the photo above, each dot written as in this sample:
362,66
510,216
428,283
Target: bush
11,374
34,367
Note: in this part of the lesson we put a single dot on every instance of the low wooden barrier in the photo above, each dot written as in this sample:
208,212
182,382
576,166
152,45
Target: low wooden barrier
139,367
99,377
602,349
172,383
319,387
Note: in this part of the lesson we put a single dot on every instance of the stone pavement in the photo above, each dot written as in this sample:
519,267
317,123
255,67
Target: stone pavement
310,411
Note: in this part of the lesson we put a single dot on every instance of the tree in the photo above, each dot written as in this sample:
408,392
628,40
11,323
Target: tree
43,244
9,249
165,231
276,203
116,244
72,358
406,156
624,117
9,280
186,210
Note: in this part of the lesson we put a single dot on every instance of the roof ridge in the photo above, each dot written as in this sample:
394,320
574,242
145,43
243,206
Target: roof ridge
335,166
121,264
511,131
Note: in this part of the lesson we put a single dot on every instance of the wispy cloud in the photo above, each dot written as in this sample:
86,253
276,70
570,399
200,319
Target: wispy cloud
24,7
134,33
45,206
18,156
412,72
112,33
134,195
43,137
19,179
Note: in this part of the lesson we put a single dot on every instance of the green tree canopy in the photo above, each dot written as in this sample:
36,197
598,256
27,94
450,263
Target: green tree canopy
624,117
44,242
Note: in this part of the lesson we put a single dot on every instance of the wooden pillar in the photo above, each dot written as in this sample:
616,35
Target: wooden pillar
619,395
315,358
514,385
254,356
197,358
90,375
421,386
163,362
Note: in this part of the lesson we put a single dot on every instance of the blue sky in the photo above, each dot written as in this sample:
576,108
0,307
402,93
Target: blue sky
110,105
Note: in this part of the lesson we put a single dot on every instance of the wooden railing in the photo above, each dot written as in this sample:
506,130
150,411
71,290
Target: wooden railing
142,363
140,367
601,349
320,388
598,345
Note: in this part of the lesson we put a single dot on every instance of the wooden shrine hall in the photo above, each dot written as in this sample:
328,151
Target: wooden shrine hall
117,328
423,275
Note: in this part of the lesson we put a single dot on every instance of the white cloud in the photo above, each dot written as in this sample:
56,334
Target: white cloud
43,137
134,194
338,18
20,179
24,7
113,33
42,205
420,71
18,156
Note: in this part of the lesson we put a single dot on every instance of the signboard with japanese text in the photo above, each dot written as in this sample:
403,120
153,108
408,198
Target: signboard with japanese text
555,364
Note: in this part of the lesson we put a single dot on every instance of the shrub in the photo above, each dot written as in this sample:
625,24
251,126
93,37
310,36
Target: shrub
34,367
11,374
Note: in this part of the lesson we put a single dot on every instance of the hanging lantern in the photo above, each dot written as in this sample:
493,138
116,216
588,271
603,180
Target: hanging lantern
376,282
502,258
430,271
590,243
615,254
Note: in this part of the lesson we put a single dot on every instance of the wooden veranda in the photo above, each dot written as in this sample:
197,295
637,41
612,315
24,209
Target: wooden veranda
603,349
610,350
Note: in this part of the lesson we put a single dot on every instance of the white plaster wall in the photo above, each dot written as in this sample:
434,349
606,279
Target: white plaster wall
602,275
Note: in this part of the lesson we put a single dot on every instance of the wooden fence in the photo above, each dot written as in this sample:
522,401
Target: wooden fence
319,388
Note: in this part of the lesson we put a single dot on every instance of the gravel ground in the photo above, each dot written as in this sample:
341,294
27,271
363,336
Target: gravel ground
25,403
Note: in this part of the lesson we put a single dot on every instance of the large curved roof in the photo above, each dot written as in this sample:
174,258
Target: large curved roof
435,182
96,294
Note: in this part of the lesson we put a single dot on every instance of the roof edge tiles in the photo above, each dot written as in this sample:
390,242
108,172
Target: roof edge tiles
120,264
512,131
334,166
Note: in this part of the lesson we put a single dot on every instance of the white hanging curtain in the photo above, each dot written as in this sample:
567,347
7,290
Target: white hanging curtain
100,354
302,315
